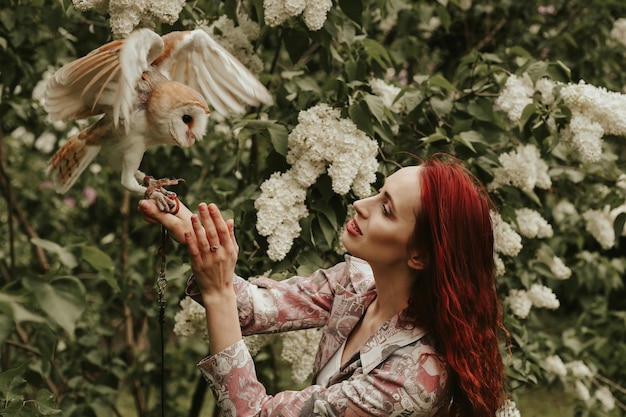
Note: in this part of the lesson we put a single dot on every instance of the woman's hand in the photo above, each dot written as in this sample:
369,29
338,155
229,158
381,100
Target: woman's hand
213,252
177,224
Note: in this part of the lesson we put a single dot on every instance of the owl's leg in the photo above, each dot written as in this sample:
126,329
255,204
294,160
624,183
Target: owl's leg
167,201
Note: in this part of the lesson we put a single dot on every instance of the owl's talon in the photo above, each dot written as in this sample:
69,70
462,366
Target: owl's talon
166,200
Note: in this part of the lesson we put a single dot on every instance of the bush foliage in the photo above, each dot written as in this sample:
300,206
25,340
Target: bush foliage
79,329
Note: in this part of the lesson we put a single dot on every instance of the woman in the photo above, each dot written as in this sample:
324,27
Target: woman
411,318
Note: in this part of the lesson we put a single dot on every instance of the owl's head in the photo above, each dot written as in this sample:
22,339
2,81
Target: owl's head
180,111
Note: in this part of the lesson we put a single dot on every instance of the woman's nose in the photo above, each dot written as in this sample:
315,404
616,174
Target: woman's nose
361,206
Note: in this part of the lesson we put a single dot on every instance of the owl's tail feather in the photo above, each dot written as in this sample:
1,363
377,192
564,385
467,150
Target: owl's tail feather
69,162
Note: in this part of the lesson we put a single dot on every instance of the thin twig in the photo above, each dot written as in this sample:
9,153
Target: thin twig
491,34
16,213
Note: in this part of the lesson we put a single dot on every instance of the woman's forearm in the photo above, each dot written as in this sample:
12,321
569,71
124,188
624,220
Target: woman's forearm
222,319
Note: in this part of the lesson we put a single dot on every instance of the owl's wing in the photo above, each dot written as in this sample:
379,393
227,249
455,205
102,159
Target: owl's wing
196,59
104,80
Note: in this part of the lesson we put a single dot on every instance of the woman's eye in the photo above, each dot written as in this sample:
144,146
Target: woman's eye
385,211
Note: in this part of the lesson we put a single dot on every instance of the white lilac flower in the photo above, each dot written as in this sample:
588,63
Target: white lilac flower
322,135
581,391
255,342
605,397
594,109
515,96
599,224
508,409
387,93
427,29
389,17
465,4
621,182
126,15
519,302
299,349
545,86
279,210
554,365
499,265
559,269
190,320
564,212
543,297
315,12
322,141
532,225
618,32
45,142
22,134
237,39
579,369
506,240
585,136
522,168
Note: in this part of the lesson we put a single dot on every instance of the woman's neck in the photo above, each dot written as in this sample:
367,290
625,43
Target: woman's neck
392,291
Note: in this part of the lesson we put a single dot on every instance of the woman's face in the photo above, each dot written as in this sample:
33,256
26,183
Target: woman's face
382,227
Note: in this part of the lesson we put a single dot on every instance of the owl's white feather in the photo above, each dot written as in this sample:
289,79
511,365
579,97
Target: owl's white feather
140,49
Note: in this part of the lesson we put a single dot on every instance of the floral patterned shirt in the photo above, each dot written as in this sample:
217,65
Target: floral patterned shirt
396,372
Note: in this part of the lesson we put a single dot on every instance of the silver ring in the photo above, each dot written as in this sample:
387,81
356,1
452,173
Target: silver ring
214,248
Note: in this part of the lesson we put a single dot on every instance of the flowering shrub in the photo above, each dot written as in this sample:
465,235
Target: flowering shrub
527,94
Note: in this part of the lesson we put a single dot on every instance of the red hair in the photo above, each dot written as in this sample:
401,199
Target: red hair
455,296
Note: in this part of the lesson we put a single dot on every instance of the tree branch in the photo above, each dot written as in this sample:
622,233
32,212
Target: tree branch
16,214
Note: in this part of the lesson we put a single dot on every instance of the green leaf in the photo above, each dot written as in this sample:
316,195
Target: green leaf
10,304
481,110
435,137
377,52
46,403
444,16
353,9
296,42
439,81
537,70
442,107
97,258
360,115
65,256
469,137
279,137
376,106
328,230
12,382
63,300
412,98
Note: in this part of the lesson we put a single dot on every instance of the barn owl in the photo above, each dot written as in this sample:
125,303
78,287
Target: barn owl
149,90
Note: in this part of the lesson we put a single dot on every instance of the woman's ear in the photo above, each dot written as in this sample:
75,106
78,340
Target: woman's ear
416,261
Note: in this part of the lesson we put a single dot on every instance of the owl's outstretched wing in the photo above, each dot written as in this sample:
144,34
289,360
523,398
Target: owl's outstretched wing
104,80
196,59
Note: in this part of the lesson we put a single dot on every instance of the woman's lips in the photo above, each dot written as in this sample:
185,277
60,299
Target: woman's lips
353,228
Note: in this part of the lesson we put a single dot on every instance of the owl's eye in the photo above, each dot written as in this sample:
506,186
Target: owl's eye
187,119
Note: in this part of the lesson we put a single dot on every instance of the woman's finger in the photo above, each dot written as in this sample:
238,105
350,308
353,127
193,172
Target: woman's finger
192,246
209,226
202,243
220,226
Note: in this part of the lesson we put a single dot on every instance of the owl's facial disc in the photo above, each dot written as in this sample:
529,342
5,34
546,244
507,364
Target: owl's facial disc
190,123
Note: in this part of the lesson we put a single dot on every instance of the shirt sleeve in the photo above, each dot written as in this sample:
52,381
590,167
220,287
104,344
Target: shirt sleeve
410,382
269,306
